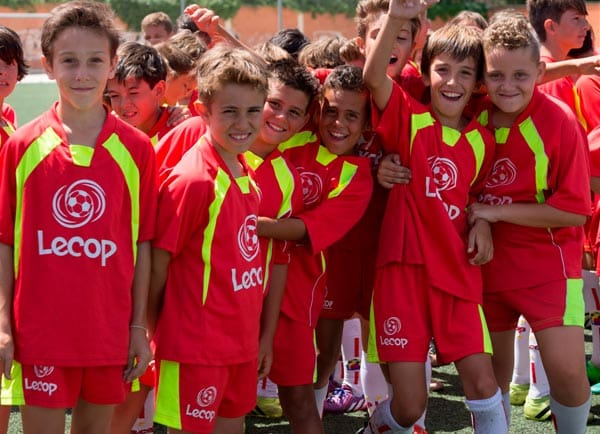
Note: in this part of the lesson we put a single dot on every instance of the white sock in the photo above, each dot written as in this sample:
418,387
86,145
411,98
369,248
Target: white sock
145,422
382,421
539,382
351,355
266,388
506,405
373,383
320,395
521,367
570,420
488,415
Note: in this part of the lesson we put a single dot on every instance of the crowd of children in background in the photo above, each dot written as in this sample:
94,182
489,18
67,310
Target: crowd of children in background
198,230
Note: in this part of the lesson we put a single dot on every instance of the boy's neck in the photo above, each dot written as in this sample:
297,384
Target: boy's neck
553,50
261,148
82,127
147,126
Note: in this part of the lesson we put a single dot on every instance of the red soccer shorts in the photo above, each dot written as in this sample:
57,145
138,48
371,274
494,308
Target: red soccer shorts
408,312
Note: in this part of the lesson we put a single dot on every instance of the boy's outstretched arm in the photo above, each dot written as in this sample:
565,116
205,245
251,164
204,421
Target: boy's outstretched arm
537,215
139,350
7,348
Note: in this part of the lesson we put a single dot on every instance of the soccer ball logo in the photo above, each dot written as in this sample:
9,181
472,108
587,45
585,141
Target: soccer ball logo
248,238
42,371
207,396
504,172
312,187
392,325
445,173
78,204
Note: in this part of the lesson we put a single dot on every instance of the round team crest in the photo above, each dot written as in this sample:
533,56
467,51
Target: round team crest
41,371
248,238
445,173
504,172
312,186
207,396
76,205
392,325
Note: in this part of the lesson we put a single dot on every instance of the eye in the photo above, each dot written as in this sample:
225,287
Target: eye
295,113
274,104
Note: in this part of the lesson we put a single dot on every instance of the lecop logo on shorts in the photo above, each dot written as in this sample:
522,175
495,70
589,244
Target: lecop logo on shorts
392,325
248,238
207,396
42,371
76,205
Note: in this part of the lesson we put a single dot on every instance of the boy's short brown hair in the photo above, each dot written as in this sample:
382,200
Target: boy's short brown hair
222,65
158,19
541,10
510,30
460,42
177,61
141,62
91,15
295,76
11,50
322,53
368,10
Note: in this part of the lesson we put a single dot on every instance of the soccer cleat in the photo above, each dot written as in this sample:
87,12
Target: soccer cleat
593,372
537,408
518,393
342,400
267,407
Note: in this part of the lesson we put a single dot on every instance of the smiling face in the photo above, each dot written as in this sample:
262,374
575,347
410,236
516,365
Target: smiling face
451,84
234,118
570,31
343,119
510,77
134,101
400,51
81,65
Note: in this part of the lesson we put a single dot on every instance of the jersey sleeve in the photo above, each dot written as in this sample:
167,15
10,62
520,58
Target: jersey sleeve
345,200
182,200
594,144
570,171
148,195
589,89
392,124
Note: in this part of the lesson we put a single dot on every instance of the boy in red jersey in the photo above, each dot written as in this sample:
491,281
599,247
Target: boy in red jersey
207,268
561,26
537,197
427,274
77,193
12,69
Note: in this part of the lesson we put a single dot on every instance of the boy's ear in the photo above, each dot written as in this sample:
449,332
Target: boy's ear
159,89
360,43
201,108
549,26
541,71
47,67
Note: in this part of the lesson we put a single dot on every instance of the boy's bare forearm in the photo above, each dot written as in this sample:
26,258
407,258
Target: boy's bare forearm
6,287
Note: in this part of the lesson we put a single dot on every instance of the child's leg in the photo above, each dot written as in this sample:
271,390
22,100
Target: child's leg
329,341
42,419
519,385
299,406
4,416
91,418
502,363
483,395
126,413
225,425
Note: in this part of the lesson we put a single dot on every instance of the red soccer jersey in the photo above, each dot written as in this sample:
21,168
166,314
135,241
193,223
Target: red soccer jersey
425,221
74,216
411,80
9,114
565,90
176,142
213,296
543,158
588,87
160,128
336,192
281,197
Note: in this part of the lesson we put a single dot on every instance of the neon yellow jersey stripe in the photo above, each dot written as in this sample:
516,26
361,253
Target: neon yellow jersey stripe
168,410
578,110
450,136
574,304
348,172
325,157
33,156
535,143
501,135
222,184
478,146
487,341
12,390
286,183
419,121
298,139
131,174
484,118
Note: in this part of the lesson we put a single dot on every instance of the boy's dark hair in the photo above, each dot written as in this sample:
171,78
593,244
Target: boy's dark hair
350,51
185,22
291,40
367,11
510,30
222,65
293,75
188,43
322,53
460,42
469,18
541,10
90,15
141,62
176,60
158,19
345,77
11,50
